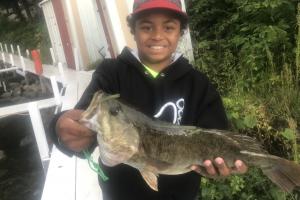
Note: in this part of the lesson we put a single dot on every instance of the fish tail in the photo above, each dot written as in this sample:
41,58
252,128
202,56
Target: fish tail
284,173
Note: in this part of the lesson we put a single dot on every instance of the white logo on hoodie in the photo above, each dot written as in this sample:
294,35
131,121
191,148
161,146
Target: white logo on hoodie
178,108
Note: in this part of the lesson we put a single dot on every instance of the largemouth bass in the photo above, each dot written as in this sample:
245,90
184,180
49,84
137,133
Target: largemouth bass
127,136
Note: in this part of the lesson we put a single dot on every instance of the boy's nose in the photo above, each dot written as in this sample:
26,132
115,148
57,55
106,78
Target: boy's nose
157,35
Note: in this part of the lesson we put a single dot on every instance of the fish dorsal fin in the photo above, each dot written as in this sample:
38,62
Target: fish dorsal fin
244,142
150,178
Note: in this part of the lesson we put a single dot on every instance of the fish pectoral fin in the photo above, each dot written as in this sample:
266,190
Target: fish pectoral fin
150,178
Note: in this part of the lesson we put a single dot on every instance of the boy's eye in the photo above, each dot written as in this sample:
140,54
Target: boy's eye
169,28
146,28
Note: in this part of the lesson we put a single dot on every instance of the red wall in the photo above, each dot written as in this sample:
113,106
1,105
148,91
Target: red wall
64,34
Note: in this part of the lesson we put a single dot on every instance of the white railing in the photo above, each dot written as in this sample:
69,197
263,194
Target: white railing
33,107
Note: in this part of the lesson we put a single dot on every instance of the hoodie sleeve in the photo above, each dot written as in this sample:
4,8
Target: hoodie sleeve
211,113
104,78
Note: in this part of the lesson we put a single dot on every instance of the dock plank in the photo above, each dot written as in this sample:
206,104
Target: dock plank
61,177
84,175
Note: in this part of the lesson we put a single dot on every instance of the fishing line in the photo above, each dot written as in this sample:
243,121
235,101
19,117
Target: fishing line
94,166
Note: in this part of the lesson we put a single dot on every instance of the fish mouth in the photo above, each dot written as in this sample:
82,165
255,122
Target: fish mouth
91,113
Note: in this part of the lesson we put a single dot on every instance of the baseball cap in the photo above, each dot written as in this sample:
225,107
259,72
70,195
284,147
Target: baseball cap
143,5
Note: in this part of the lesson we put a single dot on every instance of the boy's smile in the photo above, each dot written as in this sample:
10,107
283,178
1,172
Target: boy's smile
156,36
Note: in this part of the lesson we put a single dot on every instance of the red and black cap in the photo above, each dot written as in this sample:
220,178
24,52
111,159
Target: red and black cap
172,5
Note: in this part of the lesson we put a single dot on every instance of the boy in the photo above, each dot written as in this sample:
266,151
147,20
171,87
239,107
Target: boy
161,84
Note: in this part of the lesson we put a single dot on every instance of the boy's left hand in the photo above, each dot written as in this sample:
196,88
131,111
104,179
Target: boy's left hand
218,168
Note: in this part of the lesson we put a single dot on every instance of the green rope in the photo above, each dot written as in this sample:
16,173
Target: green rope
95,166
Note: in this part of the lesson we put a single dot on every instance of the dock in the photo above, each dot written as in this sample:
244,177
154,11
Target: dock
66,178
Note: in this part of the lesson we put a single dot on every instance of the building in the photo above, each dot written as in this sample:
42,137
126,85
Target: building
83,32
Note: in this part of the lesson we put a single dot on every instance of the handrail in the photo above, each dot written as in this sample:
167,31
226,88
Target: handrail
9,69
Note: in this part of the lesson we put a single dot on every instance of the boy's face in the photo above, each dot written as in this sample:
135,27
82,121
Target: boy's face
156,36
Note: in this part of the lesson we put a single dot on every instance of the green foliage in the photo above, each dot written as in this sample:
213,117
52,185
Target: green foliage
241,112
237,37
251,186
251,51
289,134
27,35
24,34
44,44
298,46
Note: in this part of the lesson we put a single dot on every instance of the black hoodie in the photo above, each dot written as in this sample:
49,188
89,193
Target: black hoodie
180,95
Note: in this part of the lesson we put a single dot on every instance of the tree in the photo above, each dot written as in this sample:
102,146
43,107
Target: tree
18,6
15,6
242,37
26,6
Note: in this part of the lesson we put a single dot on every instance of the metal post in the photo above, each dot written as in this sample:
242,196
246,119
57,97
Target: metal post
55,90
52,56
61,72
23,64
19,51
24,69
3,58
12,49
39,132
12,62
27,53
76,57
5,45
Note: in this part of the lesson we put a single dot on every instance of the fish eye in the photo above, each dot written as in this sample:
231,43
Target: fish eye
114,110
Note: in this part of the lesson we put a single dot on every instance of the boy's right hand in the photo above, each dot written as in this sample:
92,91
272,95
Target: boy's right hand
71,133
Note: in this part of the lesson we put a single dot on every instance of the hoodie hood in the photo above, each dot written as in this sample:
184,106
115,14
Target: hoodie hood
178,68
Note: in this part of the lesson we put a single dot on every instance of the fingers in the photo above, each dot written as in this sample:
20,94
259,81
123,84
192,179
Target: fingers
210,169
222,167
75,142
74,114
78,145
72,127
68,122
239,167
196,168
72,134
219,168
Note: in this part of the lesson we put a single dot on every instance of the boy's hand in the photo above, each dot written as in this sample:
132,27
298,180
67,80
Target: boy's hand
219,168
72,134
